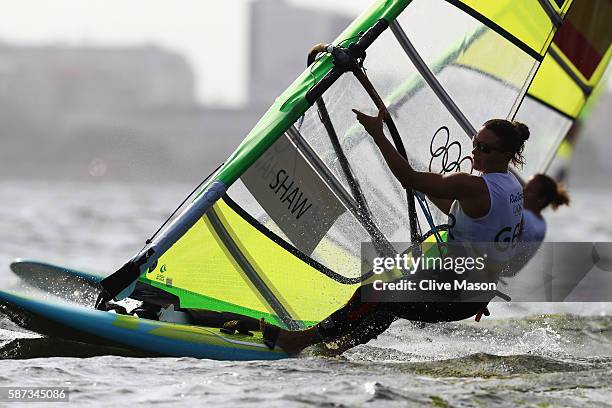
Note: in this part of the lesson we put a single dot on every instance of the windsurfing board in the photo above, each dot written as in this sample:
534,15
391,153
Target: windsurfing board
149,336
67,283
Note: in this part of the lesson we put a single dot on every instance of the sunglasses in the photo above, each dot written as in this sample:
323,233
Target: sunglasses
484,148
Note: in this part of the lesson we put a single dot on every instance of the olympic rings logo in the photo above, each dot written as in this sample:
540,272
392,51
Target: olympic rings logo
443,152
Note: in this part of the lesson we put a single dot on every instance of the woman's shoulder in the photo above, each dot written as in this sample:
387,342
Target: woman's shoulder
503,180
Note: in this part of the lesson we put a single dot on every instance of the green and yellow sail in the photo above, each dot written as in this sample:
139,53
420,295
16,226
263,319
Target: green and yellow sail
277,231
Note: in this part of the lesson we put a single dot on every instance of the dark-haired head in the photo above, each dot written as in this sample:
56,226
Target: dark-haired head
512,137
498,143
542,191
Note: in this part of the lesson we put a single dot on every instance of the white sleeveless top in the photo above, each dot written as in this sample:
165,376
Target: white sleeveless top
534,227
497,232
533,230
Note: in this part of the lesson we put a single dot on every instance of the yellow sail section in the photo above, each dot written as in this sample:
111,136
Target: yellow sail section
585,37
199,264
306,293
525,19
203,271
577,58
503,67
561,6
555,87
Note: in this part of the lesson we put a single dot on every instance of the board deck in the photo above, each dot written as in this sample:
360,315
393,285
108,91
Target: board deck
150,336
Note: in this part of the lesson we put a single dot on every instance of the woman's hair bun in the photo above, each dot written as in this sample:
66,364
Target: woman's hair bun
522,130
512,137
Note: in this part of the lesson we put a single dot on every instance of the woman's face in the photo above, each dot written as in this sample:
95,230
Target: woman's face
487,153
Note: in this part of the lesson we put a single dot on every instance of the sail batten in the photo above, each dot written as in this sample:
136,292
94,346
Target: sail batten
359,212
555,18
430,78
252,275
586,89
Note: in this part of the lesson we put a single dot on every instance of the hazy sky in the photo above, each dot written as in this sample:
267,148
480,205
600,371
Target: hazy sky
206,32
209,33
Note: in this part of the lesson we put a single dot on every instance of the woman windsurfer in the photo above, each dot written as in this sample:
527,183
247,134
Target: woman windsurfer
485,208
540,192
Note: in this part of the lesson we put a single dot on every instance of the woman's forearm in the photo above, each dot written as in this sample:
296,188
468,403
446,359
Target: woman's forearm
399,166
428,183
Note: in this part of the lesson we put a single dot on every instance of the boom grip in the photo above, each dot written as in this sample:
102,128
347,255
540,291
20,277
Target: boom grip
323,85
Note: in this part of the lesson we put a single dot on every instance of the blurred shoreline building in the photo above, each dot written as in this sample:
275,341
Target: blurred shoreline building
134,108
54,80
281,36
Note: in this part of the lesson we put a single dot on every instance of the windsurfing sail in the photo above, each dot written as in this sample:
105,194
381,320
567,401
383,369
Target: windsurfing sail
277,231
566,81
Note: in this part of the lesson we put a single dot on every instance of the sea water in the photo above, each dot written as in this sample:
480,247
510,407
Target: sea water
524,354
